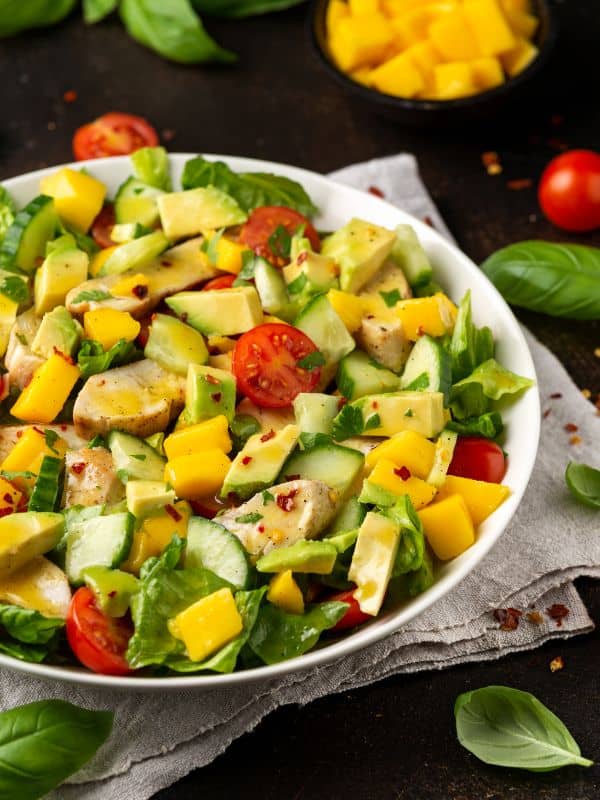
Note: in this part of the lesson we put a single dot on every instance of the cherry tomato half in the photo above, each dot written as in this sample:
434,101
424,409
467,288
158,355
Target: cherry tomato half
353,616
113,134
569,190
97,640
260,232
222,282
265,363
479,459
103,225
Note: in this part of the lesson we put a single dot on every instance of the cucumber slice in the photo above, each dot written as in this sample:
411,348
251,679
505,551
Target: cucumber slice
444,450
314,412
323,325
408,253
271,288
359,375
350,517
332,464
100,541
47,486
135,254
429,368
213,547
26,238
136,202
135,459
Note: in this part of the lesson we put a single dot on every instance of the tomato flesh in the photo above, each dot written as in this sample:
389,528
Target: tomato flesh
479,459
113,134
265,364
103,225
222,282
353,616
569,191
260,229
99,642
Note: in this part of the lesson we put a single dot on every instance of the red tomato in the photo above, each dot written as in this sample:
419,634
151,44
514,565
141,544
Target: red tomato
113,134
479,459
353,616
97,640
569,190
103,225
222,282
265,363
263,223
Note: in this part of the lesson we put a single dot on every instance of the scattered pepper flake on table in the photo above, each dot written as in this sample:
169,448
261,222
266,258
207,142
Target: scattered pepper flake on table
547,413
535,617
558,612
168,135
517,184
508,618
556,396
376,191
586,393
557,664
575,440
571,427
70,96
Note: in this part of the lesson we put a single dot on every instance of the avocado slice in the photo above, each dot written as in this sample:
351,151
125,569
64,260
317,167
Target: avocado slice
39,585
390,413
373,560
225,312
25,536
147,497
303,556
359,248
112,588
209,393
58,331
63,269
195,210
175,345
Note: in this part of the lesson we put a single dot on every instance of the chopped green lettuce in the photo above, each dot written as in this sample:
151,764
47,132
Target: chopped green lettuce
469,345
471,396
151,166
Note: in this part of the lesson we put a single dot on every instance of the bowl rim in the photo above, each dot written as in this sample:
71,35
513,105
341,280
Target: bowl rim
378,629
390,101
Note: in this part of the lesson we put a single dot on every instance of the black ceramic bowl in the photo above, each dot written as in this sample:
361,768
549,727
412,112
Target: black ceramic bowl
485,105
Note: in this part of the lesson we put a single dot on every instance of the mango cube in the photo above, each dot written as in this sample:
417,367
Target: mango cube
197,475
348,307
490,28
45,395
208,624
522,23
360,41
208,435
362,75
405,449
228,254
448,527
108,326
336,10
27,455
453,38
487,72
8,315
127,287
431,315
454,80
398,76
78,197
516,5
361,7
481,498
392,478
516,60
155,534
285,593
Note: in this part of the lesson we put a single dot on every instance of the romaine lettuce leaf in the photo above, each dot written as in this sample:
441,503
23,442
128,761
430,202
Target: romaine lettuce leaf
412,541
92,358
151,166
469,345
471,396
489,425
27,625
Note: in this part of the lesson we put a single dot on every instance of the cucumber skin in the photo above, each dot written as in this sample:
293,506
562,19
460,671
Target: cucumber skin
13,241
47,486
152,468
200,531
347,383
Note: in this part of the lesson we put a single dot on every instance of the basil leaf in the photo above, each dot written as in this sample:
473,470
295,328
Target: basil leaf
510,728
242,8
96,10
280,242
584,483
42,743
92,358
249,189
14,288
18,16
27,625
562,280
151,166
173,30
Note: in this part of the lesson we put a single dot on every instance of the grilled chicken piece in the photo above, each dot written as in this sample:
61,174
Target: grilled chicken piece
90,478
384,340
301,509
387,279
140,398
20,361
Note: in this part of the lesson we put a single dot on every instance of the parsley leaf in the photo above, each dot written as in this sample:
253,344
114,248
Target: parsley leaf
420,383
267,497
97,441
22,338
254,516
374,421
91,296
138,456
280,242
312,360
308,441
14,288
391,298
349,422
50,438
211,246
92,359
249,261
409,412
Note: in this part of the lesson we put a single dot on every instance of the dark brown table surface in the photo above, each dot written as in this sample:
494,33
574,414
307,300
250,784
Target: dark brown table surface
395,739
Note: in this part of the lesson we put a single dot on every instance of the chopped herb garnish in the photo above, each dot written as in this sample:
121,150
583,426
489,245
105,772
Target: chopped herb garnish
408,412
420,383
280,242
349,422
14,288
22,338
10,475
254,516
138,456
391,298
123,475
267,497
374,421
312,361
92,296
308,441
296,286
97,441
50,438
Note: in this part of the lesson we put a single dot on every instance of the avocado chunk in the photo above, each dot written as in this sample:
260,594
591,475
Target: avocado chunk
258,464
303,556
359,248
209,392
63,269
373,560
387,414
225,312
148,497
58,331
175,345
195,210
309,274
112,588
25,536
315,412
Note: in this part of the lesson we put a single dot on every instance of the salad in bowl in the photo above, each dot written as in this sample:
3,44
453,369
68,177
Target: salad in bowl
228,436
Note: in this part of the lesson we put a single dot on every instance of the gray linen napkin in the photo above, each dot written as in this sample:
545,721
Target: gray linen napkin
551,540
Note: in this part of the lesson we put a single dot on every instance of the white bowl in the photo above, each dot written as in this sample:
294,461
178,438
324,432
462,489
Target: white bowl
456,273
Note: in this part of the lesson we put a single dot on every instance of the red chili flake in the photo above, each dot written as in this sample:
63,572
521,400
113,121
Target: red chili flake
78,468
292,477
246,460
19,434
168,134
508,618
166,263
261,528
370,316
517,184
556,396
70,96
101,383
8,498
534,617
420,330
428,221
286,501
266,436
212,380
489,157
173,513
112,593
342,401
403,472
374,404
4,512
547,413
557,664
140,291
63,427
558,612
38,430
302,257
571,427
376,191
64,356
216,397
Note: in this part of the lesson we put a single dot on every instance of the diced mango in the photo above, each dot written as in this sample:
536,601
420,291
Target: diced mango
27,455
45,395
481,498
78,197
487,72
228,254
208,435
431,315
454,80
396,8
108,326
398,76
453,38
155,534
359,8
129,287
516,5
8,315
348,307
285,593
360,41
208,624
448,527
389,476
10,497
100,258
516,60
522,23
362,75
490,28
336,10
197,475
406,449
424,56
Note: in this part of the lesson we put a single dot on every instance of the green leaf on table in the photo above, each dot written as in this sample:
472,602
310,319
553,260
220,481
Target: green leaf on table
584,483
17,16
96,10
172,30
242,8
43,743
151,166
27,625
511,728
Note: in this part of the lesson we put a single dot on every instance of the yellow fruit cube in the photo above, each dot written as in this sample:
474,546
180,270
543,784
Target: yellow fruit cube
490,28
452,37
100,258
396,8
336,10
448,527
129,287
208,624
454,80
348,307
398,76
362,75
516,5
208,435
155,534
516,60
45,395
522,23
361,7
405,449
9,497
197,475
108,326
390,477
228,254
78,197
285,593
424,56
8,315
360,41
487,72
27,455
431,315
481,498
